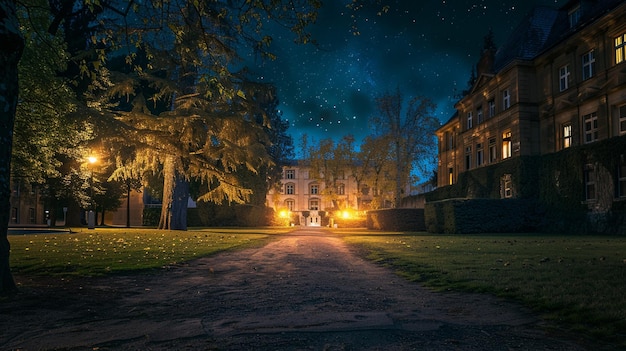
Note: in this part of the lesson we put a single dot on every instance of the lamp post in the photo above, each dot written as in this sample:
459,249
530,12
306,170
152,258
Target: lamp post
91,216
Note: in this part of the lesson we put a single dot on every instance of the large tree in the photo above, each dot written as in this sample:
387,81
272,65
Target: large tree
409,127
10,54
105,21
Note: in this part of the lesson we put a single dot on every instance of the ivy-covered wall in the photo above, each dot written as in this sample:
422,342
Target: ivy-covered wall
556,181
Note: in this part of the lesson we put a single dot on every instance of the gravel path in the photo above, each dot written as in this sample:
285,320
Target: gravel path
304,291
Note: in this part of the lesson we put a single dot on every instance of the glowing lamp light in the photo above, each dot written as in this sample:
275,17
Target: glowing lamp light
92,159
345,214
283,214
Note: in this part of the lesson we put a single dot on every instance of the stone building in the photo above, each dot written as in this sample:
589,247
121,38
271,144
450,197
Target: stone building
307,199
547,107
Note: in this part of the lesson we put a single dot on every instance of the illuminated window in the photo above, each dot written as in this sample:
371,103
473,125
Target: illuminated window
493,153
450,176
622,119
290,174
506,145
590,182
290,189
589,64
314,189
314,205
492,108
564,78
620,49
506,99
341,189
567,136
479,115
469,120
591,127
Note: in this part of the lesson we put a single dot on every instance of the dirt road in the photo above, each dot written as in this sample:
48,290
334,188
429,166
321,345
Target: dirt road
305,291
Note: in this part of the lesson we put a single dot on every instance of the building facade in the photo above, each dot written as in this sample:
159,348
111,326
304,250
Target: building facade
27,207
308,201
557,84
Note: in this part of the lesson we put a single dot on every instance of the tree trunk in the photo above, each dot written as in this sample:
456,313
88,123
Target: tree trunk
10,54
128,204
175,195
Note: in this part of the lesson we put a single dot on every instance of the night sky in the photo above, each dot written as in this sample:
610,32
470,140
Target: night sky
424,47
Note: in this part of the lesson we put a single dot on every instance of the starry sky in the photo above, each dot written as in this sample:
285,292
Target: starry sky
423,47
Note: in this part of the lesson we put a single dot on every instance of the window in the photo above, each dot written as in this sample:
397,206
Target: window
290,204
621,177
468,157
13,214
506,99
314,189
589,64
590,183
591,127
341,189
564,78
450,139
493,154
290,189
622,119
479,155
567,136
620,49
492,108
479,115
314,205
506,145
31,215
574,16
450,176
290,174
506,187
469,120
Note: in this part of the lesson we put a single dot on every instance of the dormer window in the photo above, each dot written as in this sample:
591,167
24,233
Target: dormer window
574,16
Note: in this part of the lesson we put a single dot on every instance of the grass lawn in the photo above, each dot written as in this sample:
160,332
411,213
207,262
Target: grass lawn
107,250
577,282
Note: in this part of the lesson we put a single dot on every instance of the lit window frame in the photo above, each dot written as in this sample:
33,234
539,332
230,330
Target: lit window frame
567,136
620,49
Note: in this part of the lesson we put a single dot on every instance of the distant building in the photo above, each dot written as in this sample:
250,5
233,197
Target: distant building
557,84
27,207
305,196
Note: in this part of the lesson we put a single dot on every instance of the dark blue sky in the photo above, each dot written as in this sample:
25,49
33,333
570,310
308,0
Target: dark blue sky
424,47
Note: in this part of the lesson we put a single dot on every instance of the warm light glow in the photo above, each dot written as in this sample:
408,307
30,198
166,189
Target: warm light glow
283,214
92,159
345,214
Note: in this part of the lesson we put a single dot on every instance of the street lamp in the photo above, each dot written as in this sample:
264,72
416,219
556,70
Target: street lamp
91,216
